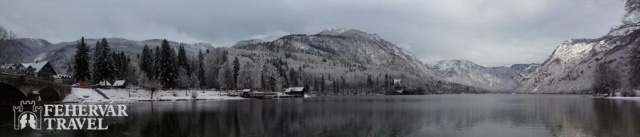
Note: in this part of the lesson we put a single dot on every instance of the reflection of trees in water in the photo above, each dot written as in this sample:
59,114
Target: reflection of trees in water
383,116
616,118
191,119
587,116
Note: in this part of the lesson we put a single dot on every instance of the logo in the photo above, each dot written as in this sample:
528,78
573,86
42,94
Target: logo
65,116
27,115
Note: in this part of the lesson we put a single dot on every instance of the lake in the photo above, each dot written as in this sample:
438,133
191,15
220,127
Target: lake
351,116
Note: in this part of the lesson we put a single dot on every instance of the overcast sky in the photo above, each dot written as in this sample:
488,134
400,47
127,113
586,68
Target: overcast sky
488,32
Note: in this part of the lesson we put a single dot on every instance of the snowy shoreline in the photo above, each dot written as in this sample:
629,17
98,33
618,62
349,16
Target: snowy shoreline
80,95
624,98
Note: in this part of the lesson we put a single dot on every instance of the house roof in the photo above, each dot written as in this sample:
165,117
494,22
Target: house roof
38,66
11,66
119,83
61,76
246,90
294,89
104,83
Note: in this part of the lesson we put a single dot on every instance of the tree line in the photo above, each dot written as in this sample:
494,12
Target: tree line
159,65
101,65
164,67
607,81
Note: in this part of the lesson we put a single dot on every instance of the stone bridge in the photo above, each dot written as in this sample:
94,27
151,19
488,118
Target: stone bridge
15,87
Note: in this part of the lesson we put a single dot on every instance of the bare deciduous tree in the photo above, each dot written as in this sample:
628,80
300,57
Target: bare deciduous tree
6,40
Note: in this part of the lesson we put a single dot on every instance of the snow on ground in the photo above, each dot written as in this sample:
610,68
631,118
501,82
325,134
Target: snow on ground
625,98
81,94
127,95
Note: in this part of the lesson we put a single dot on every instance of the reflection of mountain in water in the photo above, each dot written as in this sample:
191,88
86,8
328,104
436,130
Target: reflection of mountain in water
442,115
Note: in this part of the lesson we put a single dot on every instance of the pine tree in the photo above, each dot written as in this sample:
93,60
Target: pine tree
156,62
369,81
81,64
344,83
105,65
236,72
386,81
322,84
293,77
146,62
96,64
167,66
117,63
183,61
224,57
201,73
122,64
267,79
225,77
634,61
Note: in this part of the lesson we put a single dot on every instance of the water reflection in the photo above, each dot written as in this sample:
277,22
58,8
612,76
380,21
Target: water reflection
441,115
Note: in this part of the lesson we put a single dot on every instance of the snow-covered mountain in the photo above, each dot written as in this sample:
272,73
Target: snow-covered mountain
502,79
350,55
571,66
261,38
346,45
28,49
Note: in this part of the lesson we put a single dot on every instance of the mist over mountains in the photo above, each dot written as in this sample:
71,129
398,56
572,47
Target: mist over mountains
500,79
339,55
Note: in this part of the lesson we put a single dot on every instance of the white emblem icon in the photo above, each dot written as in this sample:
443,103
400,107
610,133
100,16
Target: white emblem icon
27,115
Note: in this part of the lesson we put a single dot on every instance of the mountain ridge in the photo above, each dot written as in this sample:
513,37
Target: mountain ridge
347,54
499,79
571,66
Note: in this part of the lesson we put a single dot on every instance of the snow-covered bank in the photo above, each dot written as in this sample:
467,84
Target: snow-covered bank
125,95
625,98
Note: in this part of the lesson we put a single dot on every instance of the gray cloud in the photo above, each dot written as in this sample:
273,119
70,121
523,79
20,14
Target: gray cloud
489,32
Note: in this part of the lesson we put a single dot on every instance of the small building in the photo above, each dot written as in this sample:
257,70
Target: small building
42,70
16,69
103,84
295,91
246,90
115,84
397,81
119,84
63,79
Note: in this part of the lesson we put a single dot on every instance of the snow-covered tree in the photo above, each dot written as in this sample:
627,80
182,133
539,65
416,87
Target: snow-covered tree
236,72
247,75
606,80
156,62
82,73
122,64
147,61
201,72
634,61
183,61
167,66
268,78
225,77
293,77
104,66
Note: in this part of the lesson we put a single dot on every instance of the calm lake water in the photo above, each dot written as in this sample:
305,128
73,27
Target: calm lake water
433,115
